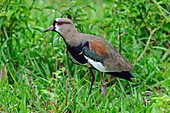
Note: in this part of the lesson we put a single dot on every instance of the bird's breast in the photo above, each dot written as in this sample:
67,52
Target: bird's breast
73,53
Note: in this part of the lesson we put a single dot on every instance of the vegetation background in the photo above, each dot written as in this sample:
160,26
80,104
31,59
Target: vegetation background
37,76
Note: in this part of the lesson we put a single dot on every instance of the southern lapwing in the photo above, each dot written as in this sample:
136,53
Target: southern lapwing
91,51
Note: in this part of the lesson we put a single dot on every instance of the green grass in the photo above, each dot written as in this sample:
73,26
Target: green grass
37,68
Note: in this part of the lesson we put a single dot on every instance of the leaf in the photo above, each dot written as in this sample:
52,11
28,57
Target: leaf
57,73
91,8
2,14
49,7
157,104
162,48
165,55
77,3
156,110
166,83
66,11
9,13
94,20
63,5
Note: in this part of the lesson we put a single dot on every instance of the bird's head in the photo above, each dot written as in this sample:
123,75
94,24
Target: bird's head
61,26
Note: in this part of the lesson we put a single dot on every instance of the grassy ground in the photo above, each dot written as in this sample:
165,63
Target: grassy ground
37,76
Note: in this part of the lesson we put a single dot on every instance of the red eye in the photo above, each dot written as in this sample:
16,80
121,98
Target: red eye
59,23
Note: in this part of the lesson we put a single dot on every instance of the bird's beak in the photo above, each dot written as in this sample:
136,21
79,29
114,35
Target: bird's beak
51,28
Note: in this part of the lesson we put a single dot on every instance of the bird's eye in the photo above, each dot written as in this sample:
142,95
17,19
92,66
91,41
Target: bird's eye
59,23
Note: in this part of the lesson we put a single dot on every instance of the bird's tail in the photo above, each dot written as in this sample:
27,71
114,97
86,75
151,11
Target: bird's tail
124,75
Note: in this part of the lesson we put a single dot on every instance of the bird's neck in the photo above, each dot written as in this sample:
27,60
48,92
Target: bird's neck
71,38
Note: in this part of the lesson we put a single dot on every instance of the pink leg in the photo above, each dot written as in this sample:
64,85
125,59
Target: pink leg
104,85
92,80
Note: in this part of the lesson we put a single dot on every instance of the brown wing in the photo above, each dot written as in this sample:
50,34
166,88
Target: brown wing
96,50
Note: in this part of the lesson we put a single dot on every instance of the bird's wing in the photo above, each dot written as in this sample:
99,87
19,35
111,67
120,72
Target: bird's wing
96,53
104,57
95,50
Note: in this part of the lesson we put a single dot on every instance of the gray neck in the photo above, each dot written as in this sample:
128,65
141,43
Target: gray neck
71,37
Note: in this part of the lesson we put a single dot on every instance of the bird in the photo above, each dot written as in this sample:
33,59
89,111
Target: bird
92,51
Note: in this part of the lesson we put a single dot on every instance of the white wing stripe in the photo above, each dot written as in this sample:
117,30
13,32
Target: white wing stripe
96,64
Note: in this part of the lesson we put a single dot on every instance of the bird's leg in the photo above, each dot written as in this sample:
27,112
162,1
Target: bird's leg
104,85
92,80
